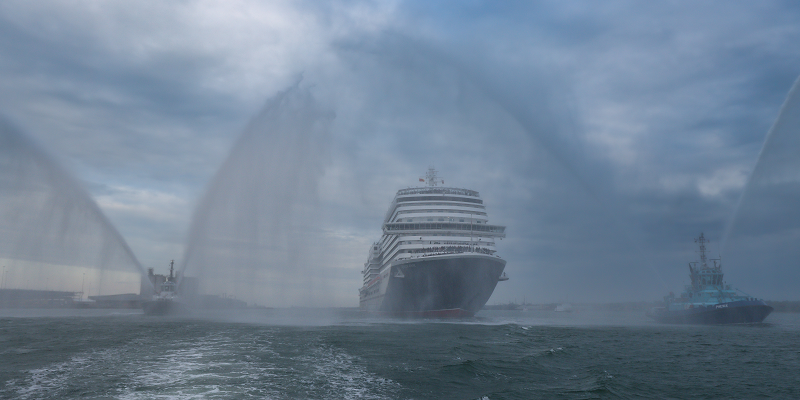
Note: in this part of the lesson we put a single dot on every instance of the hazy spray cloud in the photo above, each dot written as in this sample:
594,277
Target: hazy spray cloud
765,224
250,233
53,233
605,136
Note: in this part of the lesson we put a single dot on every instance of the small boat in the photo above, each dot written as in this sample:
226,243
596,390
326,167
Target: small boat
709,300
166,300
563,307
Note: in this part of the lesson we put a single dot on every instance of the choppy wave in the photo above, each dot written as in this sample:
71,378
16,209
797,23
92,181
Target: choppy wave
136,357
236,362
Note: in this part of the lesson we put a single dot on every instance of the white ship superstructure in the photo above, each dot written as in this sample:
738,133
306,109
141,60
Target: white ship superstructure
437,254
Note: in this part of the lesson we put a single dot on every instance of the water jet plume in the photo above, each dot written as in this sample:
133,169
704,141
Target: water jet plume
52,234
774,176
254,229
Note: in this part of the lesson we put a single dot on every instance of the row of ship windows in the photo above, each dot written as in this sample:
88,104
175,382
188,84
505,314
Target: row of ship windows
449,206
442,211
476,242
449,249
451,226
717,280
439,198
439,220
438,190
434,203
477,229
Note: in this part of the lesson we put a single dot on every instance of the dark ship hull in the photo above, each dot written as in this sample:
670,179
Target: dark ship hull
164,307
735,312
455,285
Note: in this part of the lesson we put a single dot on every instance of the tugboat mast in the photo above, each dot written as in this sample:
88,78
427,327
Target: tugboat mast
709,300
702,241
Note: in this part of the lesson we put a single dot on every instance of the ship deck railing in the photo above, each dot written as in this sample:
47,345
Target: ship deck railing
451,250
441,253
438,190
398,228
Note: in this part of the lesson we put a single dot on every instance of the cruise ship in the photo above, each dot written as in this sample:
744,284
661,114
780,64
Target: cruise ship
437,256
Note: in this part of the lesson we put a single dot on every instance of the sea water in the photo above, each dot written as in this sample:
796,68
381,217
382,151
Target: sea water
342,354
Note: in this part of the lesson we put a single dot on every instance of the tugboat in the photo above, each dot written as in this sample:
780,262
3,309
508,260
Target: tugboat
166,301
709,300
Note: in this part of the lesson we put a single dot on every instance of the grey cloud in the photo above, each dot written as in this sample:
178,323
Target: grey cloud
534,105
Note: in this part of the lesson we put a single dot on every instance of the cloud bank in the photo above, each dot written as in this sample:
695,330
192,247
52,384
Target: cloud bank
605,136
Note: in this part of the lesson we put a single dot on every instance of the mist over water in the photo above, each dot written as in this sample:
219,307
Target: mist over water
53,235
506,130
559,179
776,168
764,228
603,137
251,232
547,118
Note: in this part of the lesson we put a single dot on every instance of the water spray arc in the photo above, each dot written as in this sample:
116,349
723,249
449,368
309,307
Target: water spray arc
786,124
47,216
506,93
249,231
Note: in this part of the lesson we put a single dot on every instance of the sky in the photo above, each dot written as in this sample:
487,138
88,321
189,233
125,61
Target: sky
605,136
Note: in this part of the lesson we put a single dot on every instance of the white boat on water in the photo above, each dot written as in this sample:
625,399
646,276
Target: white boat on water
437,256
564,307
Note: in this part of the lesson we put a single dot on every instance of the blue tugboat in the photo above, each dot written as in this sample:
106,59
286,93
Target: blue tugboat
709,300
